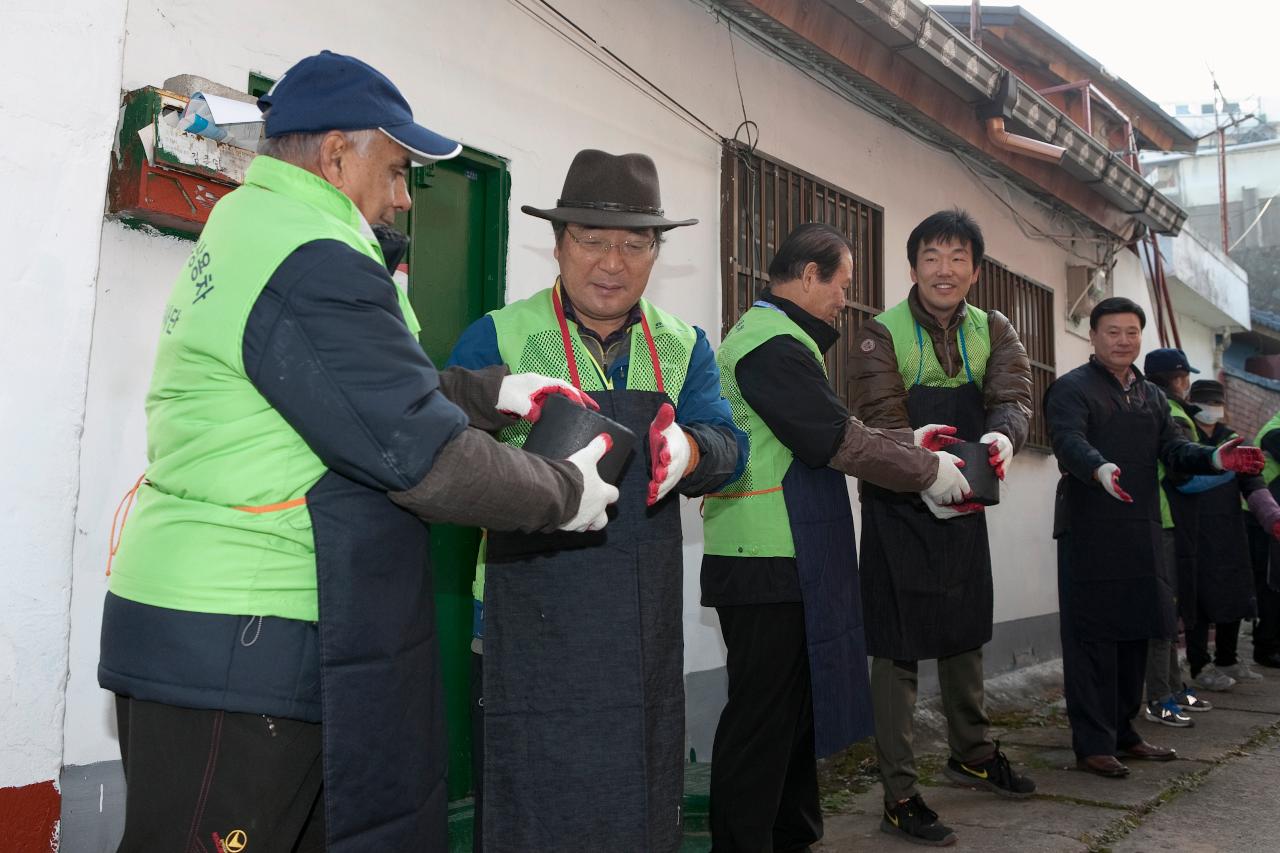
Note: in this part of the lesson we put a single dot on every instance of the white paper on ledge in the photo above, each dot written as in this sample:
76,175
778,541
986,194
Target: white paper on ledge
229,111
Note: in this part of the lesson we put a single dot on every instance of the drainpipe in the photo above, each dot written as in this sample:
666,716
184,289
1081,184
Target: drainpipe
1034,148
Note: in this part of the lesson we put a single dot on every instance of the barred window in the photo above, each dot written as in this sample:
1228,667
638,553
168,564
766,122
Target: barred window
762,201
1029,307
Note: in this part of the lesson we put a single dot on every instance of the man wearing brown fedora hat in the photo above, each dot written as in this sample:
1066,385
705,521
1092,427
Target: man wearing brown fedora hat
582,634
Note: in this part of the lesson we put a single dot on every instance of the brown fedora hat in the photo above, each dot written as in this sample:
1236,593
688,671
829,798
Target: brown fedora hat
604,190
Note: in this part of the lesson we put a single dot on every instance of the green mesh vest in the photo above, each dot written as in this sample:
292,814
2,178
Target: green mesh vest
1179,414
918,362
748,518
221,523
530,341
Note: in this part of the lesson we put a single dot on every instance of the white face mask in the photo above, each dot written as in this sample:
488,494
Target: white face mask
1210,415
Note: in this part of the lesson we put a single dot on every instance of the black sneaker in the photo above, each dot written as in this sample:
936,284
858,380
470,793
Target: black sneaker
917,823
994,775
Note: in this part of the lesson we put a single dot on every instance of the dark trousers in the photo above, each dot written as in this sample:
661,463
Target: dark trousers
893,700
477,750
764,777
1103,681
1226,639
1266,633
212,780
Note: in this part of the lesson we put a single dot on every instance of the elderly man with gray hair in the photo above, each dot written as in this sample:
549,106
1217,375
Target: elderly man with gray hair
269,629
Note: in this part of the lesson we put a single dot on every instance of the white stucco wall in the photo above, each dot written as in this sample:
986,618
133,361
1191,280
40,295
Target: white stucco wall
53,170
488,73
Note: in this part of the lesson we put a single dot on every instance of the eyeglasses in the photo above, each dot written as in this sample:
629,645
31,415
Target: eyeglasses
629,249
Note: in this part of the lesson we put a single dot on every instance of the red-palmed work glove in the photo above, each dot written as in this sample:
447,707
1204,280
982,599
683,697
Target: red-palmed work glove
522,395
593,507
1263,506
1001,450
1108,475
1231,456
672,454
949,487
936,437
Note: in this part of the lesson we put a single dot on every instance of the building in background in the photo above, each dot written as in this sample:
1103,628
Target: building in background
761,115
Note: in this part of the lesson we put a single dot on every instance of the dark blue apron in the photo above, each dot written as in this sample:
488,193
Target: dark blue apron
584,674
1225,590
381,700
827,564
929,580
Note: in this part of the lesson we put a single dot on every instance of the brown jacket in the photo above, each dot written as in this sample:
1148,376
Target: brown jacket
880,398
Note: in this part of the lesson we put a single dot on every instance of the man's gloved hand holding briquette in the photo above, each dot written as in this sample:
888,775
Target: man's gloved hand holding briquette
672,454
948,495
596,493
1001,450
1231,456
522,395
1108,475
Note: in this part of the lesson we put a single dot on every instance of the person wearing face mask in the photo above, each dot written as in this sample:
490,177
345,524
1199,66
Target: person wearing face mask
781,562
1169,700
1109,427
1224,589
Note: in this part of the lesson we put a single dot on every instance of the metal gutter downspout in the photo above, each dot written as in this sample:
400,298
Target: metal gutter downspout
1022,144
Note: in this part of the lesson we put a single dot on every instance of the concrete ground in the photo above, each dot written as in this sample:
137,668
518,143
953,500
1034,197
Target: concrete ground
1219,796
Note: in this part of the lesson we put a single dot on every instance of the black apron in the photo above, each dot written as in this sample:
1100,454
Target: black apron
1114,586
383,734
928,580
1224,590
584,674
817,502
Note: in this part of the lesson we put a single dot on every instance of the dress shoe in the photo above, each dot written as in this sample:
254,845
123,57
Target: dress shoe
1103,765
1269,659
1147,752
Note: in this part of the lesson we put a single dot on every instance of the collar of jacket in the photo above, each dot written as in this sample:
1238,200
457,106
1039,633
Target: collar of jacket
823,333
297,183
1102,368
927,320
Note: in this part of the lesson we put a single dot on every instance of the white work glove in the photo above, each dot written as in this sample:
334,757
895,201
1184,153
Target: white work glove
670,450
596,493
950,486
1001,450
950,510
522,395
935,437
1108,474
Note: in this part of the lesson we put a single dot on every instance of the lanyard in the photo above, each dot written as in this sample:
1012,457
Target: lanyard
567,340
964,353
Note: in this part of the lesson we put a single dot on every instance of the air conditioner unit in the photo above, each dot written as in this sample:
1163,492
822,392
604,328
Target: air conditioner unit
1086,287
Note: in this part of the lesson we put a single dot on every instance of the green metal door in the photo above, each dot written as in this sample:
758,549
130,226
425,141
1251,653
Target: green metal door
457,264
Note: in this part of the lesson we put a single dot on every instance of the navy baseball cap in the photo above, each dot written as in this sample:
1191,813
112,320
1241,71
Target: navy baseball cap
1167,360
330,91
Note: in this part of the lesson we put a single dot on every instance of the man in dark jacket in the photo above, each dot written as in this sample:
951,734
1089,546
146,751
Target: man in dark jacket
781,561
269,631
1107,423
926,571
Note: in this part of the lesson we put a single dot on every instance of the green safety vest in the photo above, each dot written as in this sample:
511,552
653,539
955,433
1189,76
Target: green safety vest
530,341
1179,414
221,523
748,518
918,362
1272,469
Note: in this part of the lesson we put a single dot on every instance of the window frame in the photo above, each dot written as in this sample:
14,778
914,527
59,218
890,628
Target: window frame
1029,307
796,195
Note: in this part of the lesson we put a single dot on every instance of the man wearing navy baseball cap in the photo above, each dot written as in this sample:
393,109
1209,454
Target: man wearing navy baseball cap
269,630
